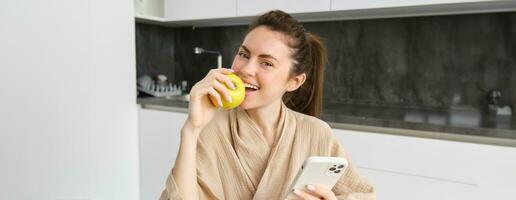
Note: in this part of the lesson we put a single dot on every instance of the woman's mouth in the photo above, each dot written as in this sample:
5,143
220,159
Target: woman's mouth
250,88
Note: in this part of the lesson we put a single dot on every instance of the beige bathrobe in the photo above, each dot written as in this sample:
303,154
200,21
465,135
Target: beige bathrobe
234,160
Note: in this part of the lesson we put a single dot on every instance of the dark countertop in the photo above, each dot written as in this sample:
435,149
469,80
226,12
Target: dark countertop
162,102
459,121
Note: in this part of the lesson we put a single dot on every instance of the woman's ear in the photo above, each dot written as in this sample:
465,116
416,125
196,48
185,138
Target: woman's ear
296,82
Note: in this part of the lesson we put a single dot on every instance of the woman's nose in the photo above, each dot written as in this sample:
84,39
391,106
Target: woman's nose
248,69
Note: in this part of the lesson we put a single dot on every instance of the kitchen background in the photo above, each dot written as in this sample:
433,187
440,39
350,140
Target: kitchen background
423,104
381,68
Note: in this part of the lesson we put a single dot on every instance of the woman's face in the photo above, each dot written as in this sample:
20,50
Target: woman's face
263,62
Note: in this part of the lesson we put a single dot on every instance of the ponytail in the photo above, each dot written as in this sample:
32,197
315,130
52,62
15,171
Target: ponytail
307,99
310,56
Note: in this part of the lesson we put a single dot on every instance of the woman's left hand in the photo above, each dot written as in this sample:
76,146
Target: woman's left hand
314,192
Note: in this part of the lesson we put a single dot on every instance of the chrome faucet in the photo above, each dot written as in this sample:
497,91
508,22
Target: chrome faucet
199,50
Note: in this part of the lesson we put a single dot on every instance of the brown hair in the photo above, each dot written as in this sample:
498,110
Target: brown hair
309,56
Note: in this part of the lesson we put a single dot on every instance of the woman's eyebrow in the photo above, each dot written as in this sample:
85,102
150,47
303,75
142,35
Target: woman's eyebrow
245,48
261,55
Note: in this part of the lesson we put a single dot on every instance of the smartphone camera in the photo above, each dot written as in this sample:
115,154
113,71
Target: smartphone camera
334,169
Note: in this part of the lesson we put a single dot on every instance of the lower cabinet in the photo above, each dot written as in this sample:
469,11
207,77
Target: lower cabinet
403,167
159,142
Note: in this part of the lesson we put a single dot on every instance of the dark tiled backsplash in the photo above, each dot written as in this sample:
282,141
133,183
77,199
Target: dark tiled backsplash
430,62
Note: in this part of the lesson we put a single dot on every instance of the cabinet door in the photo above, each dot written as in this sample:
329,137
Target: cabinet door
149,8
371,4
159,142
256,7
399,186
179,10
402,167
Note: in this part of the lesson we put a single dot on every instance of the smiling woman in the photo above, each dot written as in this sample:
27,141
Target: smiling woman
302,54
255,150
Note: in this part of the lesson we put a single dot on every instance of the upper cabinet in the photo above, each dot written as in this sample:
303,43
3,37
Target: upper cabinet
353,9
372,4
181,10
149,9
237,12
257,7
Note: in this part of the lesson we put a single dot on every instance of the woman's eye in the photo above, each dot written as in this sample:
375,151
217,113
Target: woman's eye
243,54
268,64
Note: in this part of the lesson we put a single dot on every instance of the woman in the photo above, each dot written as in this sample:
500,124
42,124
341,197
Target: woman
254,151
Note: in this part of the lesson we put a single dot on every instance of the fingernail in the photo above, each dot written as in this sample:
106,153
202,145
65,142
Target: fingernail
310,187
220,103
297,192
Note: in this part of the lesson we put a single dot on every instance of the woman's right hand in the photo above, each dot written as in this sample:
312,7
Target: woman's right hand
200,108
200,113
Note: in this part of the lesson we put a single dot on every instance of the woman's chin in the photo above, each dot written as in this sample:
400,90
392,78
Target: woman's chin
243,106
246,104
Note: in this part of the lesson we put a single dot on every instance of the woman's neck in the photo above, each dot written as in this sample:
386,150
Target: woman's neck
266,118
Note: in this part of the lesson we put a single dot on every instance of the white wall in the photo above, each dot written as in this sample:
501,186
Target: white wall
68,117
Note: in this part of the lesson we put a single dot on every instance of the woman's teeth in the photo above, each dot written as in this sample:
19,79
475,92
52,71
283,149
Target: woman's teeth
247,85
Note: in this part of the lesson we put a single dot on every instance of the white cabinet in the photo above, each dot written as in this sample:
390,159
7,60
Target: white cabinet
158,145
179,10
238,12
371,4
257,7
425,169
149,9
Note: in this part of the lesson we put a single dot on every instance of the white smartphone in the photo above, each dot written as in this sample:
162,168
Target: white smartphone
324,171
